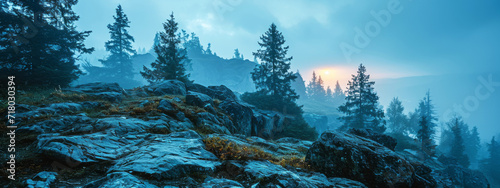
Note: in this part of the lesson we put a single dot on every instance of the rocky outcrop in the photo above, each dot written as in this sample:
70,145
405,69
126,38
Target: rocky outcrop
167,87
266,124
383,139
169,156
241,115
53,109
217,92
267,174
340,154
152,142
111,92
201,100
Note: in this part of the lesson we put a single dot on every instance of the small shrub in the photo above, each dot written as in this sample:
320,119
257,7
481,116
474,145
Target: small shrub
293,161
227,150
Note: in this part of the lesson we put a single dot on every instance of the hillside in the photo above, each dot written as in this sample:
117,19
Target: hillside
170,134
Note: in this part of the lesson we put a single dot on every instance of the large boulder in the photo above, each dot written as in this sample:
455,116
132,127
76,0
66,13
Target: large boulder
198,99
114,97
266,124
383,139
217,92
89,148
241,114
223,93
166,106
211,124
107,91
167,87
201,100
267,174
338,154
168,157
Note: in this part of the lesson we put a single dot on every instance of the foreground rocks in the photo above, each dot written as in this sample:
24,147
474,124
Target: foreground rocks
343,155
111,92
167,87
156,137
338,154
168,157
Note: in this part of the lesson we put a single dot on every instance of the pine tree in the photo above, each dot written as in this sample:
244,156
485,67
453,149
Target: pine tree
361,106
491,165
273,80
273,75
171,61
311,87
426,108
39,42
120,46
458,148
156,42
472,145
396,118
329,93
338,91
413,122
192,45
237,54
315,88
208,51
425,137
320,89
338,94
493,162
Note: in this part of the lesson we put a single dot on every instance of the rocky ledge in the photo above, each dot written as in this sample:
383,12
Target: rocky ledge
172,135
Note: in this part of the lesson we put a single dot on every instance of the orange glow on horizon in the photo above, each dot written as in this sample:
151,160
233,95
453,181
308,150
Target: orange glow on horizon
330,75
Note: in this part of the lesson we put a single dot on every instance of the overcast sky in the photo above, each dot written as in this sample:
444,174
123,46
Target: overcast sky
421,37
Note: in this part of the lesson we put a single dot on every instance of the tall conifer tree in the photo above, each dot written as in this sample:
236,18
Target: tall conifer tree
273,75
39,42
458,148
361,107
120,48
172,59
